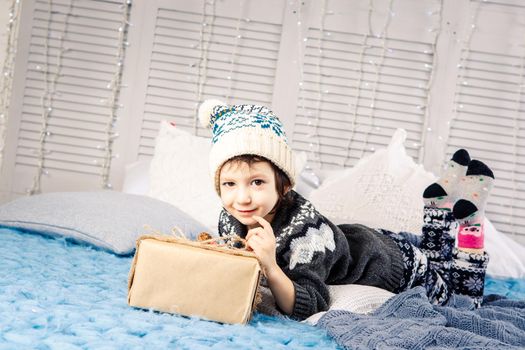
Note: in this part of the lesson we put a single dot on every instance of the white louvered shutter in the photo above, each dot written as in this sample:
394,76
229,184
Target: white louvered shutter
74,143
240,43
354,70
489,106
254,52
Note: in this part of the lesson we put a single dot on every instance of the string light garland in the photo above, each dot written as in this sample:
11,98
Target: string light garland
515,152
364,47
300,62
377,63
465,53
315,147
357,98
297,9
312,133
8,68
115,86
233,56
48,96
378,66
202,64
430,83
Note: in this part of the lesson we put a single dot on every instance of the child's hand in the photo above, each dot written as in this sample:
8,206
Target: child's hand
262,241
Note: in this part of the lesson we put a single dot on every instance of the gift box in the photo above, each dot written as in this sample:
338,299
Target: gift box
190,278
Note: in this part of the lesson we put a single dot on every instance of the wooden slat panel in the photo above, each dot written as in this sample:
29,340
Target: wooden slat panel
372,91
173,65
104,11
77,125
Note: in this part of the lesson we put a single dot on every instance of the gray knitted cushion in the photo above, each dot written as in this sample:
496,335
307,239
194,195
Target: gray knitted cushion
106,219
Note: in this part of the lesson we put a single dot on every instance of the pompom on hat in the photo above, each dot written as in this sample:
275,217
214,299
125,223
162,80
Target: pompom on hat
245,129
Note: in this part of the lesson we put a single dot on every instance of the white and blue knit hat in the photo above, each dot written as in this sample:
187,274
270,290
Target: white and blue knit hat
245,129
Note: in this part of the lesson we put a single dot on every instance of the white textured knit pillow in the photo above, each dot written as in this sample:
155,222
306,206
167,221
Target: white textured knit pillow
355,298
179,175
382,190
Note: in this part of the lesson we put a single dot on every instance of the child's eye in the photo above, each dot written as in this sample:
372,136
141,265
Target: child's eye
228,184
257,182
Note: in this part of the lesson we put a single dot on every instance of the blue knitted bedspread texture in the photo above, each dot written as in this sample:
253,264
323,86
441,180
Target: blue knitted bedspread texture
55,294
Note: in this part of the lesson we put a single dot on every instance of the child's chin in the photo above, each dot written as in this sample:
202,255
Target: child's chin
246,221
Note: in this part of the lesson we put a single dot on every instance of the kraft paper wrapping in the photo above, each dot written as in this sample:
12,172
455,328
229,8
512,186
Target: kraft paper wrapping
194,279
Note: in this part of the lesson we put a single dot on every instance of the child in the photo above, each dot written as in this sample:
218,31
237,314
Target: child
301,252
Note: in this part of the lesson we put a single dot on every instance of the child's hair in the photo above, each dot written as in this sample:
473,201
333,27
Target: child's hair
282,182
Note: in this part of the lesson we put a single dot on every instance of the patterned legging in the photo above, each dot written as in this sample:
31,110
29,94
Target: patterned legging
432,260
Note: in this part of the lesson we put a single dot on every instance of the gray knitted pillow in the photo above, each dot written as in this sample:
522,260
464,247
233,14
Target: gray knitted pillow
106,219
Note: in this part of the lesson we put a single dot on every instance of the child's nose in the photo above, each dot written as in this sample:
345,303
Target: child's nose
243,195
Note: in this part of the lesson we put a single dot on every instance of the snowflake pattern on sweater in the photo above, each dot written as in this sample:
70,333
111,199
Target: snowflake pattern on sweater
316,240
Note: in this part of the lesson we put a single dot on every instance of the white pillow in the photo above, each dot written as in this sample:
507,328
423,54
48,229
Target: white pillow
179,175
507,257
382,190
355,298
107,219
136,177
307,179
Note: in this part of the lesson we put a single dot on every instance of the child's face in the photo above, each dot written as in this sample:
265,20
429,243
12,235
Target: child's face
248,190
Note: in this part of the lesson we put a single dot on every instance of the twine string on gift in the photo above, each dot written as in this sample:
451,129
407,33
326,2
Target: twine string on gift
227,241
203,238
177,232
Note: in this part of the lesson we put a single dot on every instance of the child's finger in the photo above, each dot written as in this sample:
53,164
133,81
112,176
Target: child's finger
253,232
265,224
254,243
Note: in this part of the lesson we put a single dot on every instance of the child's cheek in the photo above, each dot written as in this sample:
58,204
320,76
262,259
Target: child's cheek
227,198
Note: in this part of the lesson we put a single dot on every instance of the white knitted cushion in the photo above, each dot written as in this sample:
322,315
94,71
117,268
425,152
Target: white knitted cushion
383,190
355,298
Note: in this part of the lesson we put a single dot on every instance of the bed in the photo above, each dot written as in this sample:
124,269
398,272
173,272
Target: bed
57,294
66,257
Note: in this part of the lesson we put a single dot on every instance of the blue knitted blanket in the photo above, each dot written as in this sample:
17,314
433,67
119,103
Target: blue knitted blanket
409,321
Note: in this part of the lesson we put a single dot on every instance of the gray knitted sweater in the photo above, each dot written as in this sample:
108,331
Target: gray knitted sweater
313,252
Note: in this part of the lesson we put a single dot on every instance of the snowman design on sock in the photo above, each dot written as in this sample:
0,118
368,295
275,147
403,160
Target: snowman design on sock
441,194
469,209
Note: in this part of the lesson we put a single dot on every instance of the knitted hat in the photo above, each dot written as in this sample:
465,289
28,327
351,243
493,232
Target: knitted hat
245,129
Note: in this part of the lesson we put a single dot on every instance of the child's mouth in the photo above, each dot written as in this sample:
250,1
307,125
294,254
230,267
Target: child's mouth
246,212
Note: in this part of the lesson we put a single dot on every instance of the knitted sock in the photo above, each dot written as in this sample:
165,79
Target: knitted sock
437,242
468,272
469,210
441,193
436,245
